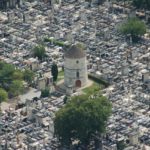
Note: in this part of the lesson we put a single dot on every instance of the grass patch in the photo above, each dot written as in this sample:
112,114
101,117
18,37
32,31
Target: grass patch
59,43
92,89
55,42
60,75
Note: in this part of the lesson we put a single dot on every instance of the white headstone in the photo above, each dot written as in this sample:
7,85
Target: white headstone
60,2
148,65
51,127
70,37
10,16
134,53
125,70
133,138
147,16
57,35
107,4
145,75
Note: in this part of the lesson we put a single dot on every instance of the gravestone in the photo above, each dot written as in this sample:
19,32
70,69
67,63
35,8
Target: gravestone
70,38
148,65
25,17
125,69
147,16
145,75
56,35
51,127
10,16
41,83
133,138
134,53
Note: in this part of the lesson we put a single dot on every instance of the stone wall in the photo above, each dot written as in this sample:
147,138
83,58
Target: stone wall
71,67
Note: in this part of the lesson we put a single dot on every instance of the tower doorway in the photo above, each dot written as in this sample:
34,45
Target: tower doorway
78,83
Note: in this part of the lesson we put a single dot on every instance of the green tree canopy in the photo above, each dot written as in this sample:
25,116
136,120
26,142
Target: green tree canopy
133,27
17,75
28,75
81,118
6,75
99,2
6,71
65,99
141,4
39,51
16,87
11,79
3,95
54,71
45,93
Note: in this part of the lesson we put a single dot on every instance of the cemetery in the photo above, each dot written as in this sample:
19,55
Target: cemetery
120,64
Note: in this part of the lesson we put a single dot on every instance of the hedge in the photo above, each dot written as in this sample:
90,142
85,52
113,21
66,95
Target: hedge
98,80
59,43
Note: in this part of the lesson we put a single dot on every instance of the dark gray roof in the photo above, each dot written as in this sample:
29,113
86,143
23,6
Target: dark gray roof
75,52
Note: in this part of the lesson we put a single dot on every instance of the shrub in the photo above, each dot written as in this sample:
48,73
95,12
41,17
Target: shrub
98,80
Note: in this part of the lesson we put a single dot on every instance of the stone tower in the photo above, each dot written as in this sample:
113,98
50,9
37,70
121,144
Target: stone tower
75,68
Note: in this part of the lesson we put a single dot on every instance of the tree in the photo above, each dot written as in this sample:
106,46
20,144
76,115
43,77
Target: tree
65,99
11,79
90,1
141,4
6,75
17,75
6,71
54,71
28,75
16,87
39,51
133,27
3,96
124,1
45,93
100,2
82,118
120,145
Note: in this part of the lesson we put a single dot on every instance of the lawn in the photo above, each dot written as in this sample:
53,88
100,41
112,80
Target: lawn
93,88
60,75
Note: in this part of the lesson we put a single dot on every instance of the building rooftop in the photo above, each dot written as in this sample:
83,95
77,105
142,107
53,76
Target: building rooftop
75,52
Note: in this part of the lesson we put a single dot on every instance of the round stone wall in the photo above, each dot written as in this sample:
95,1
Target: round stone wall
75,72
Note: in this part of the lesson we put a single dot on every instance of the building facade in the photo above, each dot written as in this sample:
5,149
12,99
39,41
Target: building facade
75,68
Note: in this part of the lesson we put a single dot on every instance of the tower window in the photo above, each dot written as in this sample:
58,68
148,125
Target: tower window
77,61
77,74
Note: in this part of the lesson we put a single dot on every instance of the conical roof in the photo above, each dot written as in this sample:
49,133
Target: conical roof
75,52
